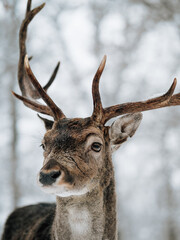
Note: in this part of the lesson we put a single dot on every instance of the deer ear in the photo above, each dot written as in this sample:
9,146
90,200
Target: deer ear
123,128
47,123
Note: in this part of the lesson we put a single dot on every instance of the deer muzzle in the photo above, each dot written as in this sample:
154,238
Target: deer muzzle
50,172
48,178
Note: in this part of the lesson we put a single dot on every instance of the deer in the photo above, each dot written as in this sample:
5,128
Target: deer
77,166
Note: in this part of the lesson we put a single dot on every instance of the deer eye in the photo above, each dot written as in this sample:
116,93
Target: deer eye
43,146
96,146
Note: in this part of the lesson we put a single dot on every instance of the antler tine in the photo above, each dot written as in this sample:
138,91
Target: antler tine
57,113
26,87
53,76
24,84
28,6
34,105
28,84
98,109
165,100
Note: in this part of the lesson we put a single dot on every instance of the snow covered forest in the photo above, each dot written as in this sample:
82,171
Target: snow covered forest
141,39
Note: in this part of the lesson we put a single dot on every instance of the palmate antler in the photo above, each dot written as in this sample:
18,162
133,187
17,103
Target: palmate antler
32,90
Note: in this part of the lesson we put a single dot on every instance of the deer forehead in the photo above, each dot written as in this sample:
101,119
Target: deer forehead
72,133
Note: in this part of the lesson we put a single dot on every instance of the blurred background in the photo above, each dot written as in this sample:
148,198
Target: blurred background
142,41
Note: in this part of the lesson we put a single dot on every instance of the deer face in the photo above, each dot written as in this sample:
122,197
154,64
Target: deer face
77,153
74,152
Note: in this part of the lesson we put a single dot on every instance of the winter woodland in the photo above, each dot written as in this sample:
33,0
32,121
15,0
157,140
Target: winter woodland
141,39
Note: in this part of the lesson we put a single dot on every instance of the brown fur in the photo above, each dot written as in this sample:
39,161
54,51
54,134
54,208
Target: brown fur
68,149
77,165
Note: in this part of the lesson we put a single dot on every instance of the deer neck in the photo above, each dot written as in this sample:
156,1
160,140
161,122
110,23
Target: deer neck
91,216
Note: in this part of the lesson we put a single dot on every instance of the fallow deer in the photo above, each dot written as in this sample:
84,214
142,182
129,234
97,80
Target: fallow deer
77,164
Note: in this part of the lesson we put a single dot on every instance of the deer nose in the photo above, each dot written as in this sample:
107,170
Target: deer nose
48,178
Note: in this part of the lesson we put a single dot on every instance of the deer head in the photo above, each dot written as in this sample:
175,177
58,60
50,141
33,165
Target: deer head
77,152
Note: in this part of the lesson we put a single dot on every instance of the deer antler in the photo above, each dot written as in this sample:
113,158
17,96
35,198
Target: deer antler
102,115
98,109
31,89
28,84
52,109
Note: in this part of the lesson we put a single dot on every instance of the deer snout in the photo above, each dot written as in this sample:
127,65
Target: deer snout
50,172
48,178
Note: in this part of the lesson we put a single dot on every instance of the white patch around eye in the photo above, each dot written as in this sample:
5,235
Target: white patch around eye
91,139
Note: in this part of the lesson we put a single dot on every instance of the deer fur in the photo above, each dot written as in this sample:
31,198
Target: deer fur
85,191
77,165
